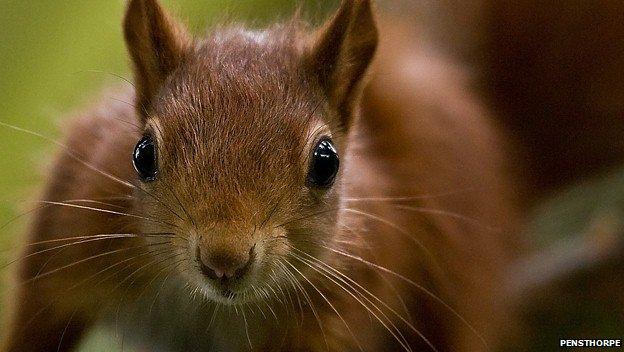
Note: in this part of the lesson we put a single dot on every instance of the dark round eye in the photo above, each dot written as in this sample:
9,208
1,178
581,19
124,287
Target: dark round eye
144,159
323,164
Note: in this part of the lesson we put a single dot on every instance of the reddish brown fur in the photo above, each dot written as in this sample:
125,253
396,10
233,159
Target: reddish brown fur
550,71
553,71
235,116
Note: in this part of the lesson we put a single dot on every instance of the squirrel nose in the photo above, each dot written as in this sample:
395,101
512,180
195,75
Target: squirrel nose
223,266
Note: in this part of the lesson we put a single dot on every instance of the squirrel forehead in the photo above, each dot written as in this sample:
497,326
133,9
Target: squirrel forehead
240,90
242,104
239,66
245,77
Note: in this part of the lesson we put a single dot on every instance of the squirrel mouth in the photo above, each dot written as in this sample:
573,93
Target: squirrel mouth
224,292
229,294
228,297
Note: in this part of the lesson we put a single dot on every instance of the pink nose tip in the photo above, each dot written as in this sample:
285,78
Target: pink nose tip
221,266
219,273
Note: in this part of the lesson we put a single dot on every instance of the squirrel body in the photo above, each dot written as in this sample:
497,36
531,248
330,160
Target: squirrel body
406,250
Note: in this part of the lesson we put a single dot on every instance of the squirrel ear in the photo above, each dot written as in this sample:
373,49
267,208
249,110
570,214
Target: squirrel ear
341,51
157,44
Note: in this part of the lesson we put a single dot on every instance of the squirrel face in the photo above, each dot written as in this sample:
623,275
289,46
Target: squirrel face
243,134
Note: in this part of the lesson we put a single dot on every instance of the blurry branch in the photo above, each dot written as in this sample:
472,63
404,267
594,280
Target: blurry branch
599,248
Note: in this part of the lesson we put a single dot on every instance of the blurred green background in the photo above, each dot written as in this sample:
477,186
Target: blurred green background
55,56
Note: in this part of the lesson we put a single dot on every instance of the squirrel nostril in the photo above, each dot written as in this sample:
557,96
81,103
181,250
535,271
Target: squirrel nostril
222,267
239,272
218,273
205,268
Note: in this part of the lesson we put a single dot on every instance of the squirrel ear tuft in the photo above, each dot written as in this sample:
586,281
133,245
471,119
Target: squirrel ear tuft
341,51
156,43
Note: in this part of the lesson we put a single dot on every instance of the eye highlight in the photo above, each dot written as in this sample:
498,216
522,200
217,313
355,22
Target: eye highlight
144,159
324,164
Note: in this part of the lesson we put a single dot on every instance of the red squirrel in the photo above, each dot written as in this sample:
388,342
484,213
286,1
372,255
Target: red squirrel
285,189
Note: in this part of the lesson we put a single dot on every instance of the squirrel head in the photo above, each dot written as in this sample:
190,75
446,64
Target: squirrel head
243,132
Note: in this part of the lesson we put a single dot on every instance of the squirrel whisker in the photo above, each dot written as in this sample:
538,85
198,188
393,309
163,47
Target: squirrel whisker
392,329
402,230
155,261
75,156
415,197
410,282
342,277
328,303
108,212
162,284
84,281
304,292
86,239
94,201
99,255
109,236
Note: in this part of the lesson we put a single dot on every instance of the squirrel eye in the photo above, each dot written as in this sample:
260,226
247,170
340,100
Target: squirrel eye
323,164
144,159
